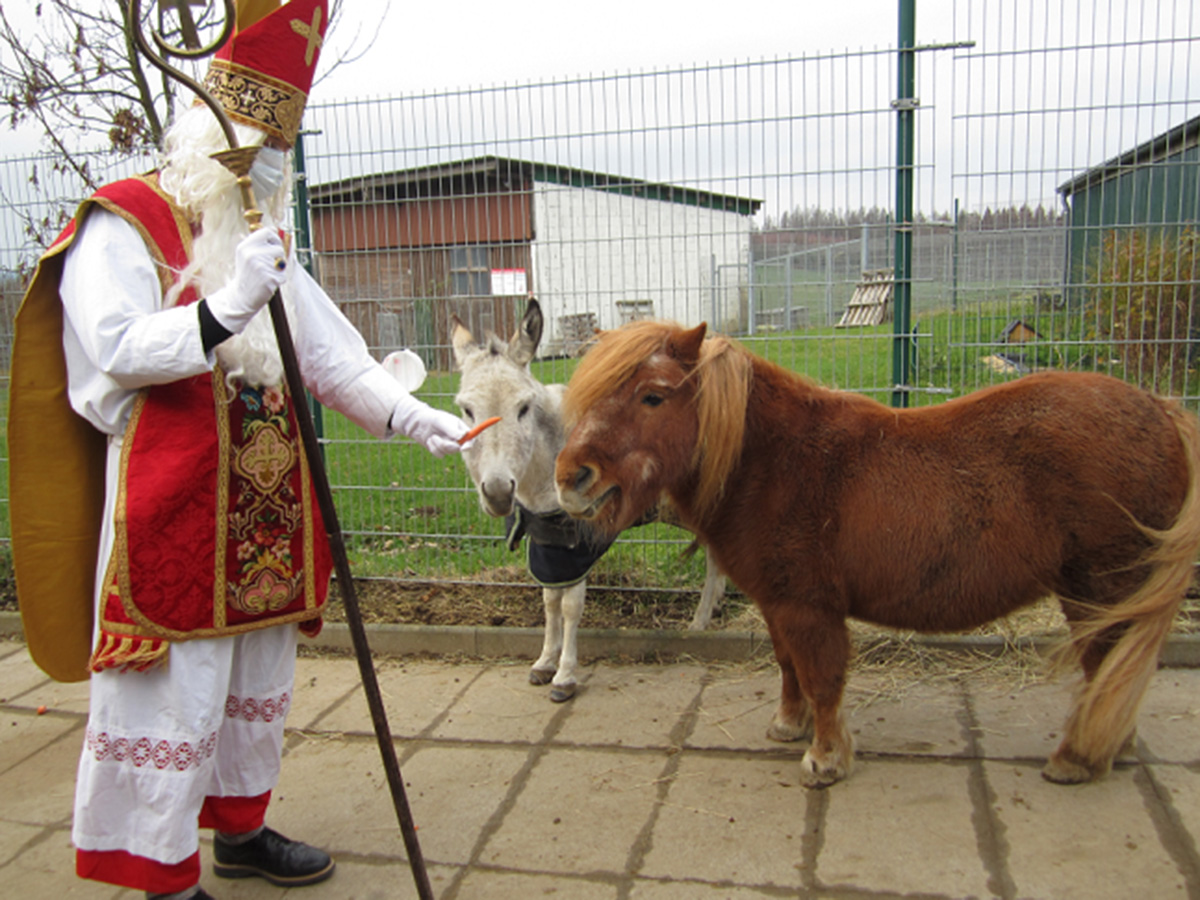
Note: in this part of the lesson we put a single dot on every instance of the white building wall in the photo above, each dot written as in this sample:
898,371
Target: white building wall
593,248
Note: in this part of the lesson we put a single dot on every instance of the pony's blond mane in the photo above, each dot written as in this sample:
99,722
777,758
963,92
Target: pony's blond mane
723,375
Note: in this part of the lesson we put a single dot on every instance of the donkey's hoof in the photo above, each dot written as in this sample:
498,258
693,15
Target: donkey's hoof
562,692
541,676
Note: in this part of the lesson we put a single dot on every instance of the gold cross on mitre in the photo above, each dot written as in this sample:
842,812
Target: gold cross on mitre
312,32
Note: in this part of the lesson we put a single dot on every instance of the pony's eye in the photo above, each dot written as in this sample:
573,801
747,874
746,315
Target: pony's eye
521,413
653,399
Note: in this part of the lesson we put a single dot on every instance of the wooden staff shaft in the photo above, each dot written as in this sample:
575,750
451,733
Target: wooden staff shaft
341,562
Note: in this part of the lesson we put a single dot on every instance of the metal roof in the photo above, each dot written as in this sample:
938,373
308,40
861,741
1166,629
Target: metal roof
360,187
1156,150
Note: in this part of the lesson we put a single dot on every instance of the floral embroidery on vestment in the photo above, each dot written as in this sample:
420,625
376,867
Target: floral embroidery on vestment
266,514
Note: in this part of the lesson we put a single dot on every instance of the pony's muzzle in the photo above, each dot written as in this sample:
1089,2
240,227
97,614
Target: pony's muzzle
583,478
573,490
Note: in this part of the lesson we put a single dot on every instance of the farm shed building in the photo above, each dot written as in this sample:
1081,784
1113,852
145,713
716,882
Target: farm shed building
402,251
1154,186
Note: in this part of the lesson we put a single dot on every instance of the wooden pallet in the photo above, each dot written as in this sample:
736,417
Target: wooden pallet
871,303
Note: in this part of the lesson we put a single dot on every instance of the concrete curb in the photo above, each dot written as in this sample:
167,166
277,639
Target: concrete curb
1180,651
527,642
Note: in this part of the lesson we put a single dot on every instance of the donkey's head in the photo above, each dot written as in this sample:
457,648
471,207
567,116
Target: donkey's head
514,459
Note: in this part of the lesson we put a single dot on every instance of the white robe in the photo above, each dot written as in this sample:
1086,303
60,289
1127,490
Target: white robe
209,722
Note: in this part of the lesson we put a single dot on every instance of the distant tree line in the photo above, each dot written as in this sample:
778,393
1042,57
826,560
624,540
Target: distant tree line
800,229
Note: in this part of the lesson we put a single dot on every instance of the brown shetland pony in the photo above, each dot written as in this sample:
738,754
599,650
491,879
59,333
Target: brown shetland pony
823,505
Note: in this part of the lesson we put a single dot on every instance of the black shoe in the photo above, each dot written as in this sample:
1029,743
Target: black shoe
271,856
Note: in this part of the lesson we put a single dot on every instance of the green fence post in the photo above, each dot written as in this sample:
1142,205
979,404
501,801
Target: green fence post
304,252
905,104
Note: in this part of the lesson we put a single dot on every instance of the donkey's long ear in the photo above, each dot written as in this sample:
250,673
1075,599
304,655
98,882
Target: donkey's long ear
529,334
461,338
685,346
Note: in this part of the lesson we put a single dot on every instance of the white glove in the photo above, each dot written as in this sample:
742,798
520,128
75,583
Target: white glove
256,276
435,430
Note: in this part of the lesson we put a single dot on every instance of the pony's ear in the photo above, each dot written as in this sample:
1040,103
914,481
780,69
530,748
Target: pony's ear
461,339
529,334
685,346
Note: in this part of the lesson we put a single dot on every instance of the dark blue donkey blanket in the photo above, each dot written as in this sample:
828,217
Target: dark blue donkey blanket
560,551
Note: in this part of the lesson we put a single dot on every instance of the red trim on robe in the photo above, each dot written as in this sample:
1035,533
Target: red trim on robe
234,815
137,872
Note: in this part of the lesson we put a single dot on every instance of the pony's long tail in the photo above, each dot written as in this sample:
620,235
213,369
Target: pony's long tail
1105,713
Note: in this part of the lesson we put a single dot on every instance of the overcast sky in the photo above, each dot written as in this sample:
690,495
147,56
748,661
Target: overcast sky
414,47
1133,73
430,46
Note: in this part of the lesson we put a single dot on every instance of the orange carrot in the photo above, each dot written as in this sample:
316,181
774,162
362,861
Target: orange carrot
479,429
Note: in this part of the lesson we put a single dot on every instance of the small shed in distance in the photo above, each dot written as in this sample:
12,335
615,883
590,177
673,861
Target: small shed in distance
1018,332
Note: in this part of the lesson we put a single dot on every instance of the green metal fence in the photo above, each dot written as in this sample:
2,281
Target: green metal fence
1000,181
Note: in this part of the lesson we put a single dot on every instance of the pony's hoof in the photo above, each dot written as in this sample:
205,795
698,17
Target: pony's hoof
562,692
1065,766
787,732
1061,771
816,774
541,676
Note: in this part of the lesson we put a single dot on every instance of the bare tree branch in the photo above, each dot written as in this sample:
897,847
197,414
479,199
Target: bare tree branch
69,70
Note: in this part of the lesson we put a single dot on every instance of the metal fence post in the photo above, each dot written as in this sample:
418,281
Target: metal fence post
905,105
304,252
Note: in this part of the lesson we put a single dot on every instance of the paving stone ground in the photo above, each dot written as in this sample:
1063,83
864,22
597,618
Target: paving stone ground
656,783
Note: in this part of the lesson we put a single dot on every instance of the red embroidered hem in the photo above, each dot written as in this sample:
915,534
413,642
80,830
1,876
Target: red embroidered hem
137,872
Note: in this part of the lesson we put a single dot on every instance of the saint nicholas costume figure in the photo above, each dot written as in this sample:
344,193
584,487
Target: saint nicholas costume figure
166,538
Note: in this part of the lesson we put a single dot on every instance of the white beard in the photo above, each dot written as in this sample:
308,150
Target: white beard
208,192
